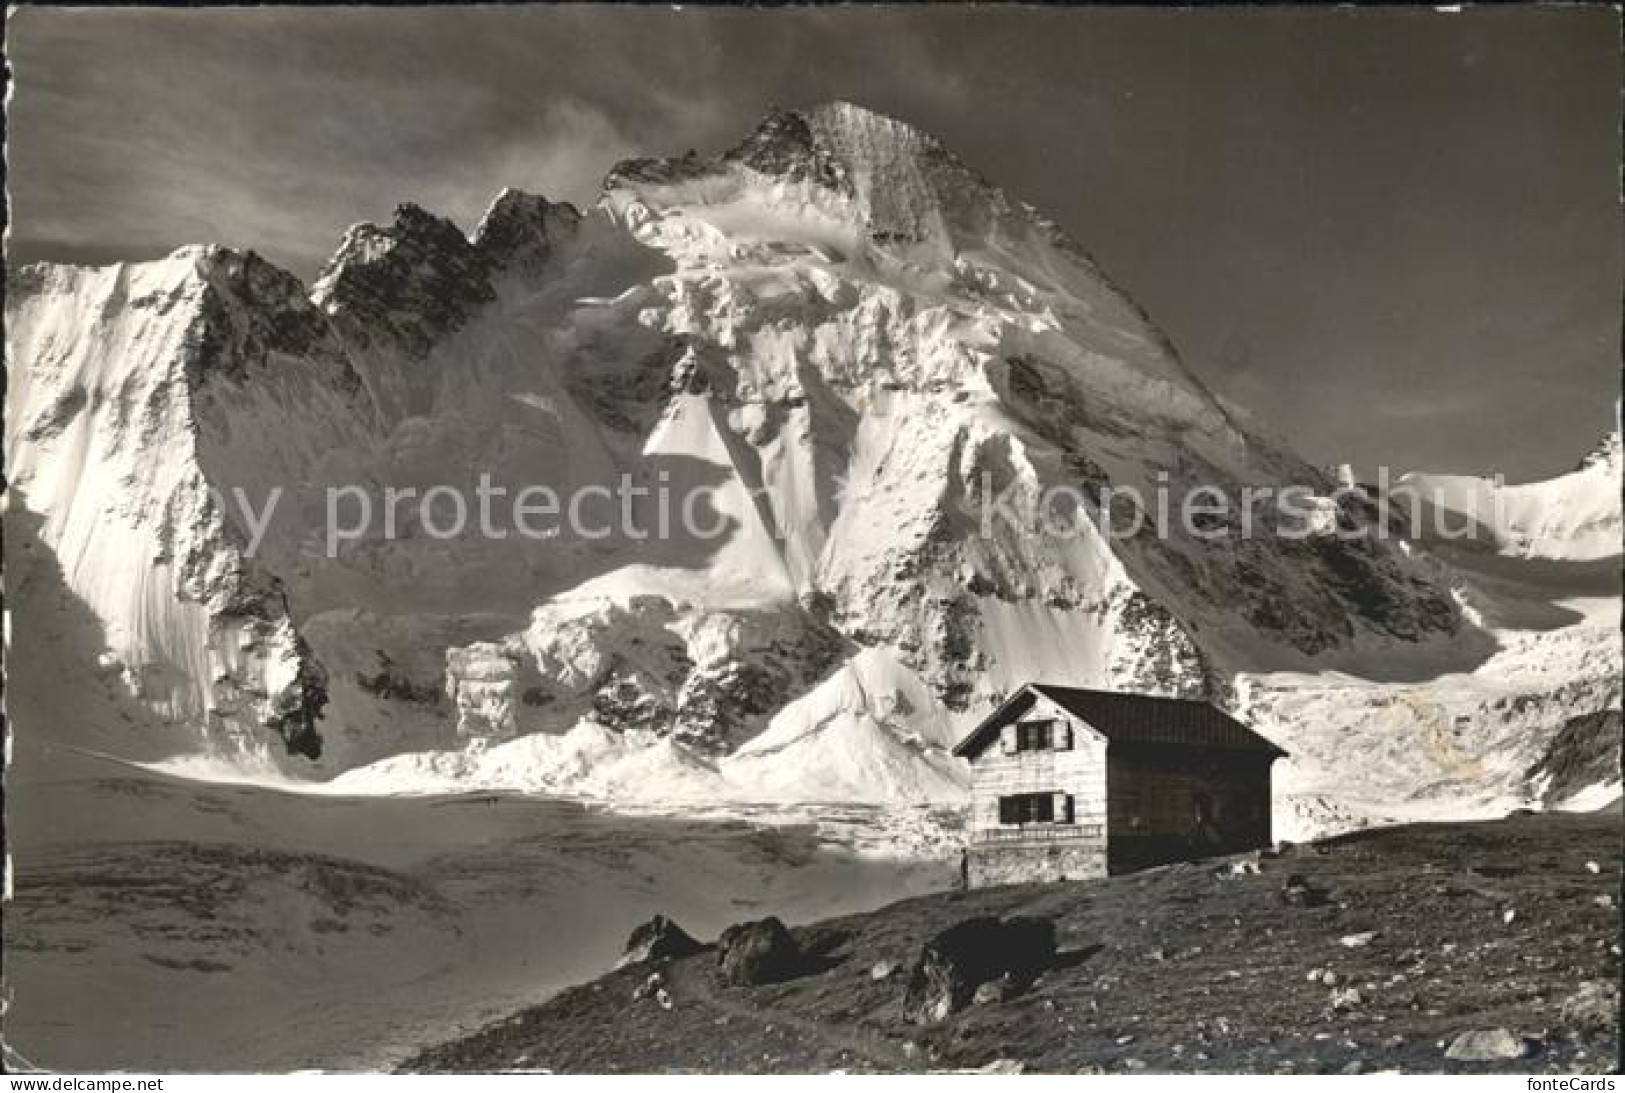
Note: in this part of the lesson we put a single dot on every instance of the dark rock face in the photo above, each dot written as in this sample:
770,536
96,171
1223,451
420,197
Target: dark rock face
1157,654
301,706
628,396
656,170
659,939
251,311
395,292
418,278
1584,752
410,283
714,706
1311,593
783,145
56,419
520,231
759,952
720,705
954,965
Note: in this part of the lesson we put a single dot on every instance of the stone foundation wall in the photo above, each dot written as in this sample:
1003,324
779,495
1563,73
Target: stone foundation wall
992,864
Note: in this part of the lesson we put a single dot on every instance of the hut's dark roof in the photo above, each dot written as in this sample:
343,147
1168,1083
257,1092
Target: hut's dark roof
1126,718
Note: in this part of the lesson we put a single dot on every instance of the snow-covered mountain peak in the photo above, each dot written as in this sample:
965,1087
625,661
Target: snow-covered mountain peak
785,145
412,227
911,188
415,279
141,391
1573,517
888,182
421,276
844,122
520,230
251,310
394,292
880,376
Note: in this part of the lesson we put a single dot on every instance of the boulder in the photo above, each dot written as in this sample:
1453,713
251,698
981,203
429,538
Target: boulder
759,952
1486,1046
659,939
960,959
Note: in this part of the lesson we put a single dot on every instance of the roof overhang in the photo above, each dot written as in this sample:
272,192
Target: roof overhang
1029,694
988,729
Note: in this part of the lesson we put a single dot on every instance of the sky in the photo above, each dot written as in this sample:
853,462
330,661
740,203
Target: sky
1394,236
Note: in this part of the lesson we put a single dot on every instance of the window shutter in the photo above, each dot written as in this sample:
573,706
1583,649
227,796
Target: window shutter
1063,808
1061,735
1007,739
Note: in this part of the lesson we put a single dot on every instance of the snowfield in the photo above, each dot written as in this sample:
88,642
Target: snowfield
1575,517
162,924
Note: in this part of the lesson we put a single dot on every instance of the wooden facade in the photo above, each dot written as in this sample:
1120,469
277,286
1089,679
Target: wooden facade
1072,784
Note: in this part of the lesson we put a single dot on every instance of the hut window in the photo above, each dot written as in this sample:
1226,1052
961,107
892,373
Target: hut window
1039,735
1043,736
1033,735
1035,808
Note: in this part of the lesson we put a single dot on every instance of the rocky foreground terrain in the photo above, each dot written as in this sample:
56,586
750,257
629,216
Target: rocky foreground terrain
1480,947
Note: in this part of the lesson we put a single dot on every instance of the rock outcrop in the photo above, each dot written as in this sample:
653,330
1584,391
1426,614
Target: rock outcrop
957,963
762,951
659,939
